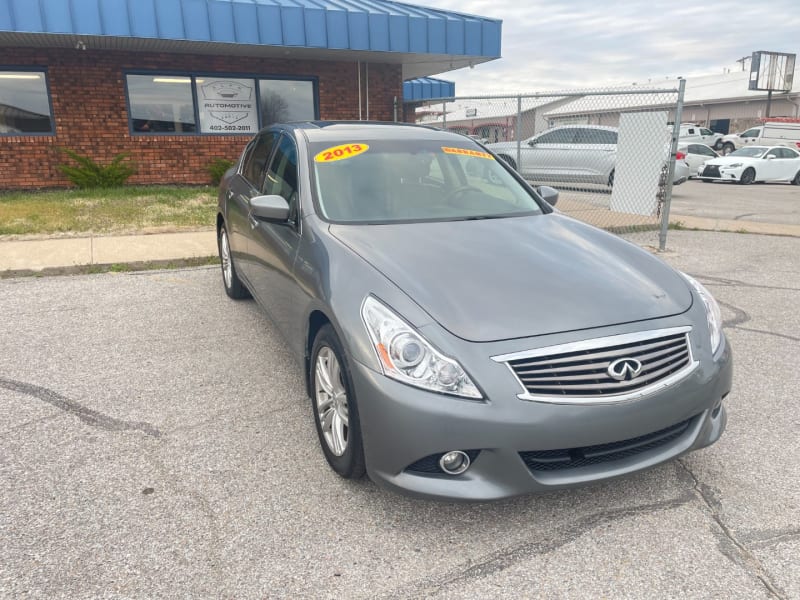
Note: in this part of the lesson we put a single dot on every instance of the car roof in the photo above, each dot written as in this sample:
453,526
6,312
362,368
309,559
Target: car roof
585,126
369,130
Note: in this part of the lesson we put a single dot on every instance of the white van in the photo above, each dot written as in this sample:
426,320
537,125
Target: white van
784,132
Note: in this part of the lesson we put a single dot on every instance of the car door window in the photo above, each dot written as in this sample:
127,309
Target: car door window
750,133
557,136
788,153
706,132
256,161
282,179
703,150
595,136
774,153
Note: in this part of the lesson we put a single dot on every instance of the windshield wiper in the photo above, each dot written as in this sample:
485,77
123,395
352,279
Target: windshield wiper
481,217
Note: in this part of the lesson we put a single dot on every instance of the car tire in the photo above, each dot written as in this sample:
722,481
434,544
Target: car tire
727,148
230,278
748,177
509,161
334,406
611,178
796,180
718,145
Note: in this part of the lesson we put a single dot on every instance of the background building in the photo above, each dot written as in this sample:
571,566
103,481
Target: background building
720,102
177,83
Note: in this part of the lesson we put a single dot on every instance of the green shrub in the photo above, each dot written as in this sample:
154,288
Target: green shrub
217,169
89,174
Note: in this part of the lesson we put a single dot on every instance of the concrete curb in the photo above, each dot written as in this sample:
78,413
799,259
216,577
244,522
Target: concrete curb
36,255
55,253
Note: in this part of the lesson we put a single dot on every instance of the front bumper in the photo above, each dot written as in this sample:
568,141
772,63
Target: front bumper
402,424
725,174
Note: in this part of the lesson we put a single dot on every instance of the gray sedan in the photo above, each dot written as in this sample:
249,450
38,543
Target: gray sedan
460,338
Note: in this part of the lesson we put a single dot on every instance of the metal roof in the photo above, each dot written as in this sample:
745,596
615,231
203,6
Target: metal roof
426,88
356,28
706,89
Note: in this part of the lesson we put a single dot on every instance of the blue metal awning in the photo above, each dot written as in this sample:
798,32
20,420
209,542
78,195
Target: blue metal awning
427,88
357,26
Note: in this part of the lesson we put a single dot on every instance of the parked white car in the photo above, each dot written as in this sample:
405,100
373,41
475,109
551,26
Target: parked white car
695,155
691,133
771,133
754,163
574,154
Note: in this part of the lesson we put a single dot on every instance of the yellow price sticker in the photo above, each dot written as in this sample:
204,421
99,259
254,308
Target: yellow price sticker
466,152
341,152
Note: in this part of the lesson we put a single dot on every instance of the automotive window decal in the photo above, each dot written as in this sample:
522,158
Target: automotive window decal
340,152
466,152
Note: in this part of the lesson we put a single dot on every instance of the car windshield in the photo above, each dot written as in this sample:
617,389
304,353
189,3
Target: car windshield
385,181
751,152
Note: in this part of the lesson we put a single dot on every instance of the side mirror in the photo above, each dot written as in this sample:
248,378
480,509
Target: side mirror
771,157
271,208
531,143
548,194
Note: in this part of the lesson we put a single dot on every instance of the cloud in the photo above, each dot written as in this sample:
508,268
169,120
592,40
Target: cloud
550,45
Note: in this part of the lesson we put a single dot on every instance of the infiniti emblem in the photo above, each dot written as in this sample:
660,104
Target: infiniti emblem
624,369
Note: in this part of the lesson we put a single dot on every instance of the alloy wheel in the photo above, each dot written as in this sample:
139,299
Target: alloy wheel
225,257
331,401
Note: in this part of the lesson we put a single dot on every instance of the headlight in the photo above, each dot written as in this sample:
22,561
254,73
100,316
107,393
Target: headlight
713,314
734,165
406,356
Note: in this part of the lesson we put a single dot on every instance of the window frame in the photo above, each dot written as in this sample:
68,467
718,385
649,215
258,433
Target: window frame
193,75
34,69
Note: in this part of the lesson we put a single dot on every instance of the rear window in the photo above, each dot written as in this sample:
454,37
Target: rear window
385,181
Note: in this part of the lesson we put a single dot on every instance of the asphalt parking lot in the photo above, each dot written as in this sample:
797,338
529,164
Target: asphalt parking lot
156,441
764,202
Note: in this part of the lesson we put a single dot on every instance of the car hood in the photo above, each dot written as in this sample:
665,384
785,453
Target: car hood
724,161
517,277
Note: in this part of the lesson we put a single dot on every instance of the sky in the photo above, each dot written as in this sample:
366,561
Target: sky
555,44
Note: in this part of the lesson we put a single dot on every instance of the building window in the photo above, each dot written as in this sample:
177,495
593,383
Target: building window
161,104
24,103
285,100
227,105
213,104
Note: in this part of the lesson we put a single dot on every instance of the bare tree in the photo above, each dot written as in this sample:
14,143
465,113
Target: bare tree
274,108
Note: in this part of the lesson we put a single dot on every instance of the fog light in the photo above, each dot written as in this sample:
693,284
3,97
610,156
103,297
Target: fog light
454,462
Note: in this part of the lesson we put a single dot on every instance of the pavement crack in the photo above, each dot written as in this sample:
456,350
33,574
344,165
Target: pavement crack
740,553
28,423
739,315
784,336
507,557
89,416
727,282
773,538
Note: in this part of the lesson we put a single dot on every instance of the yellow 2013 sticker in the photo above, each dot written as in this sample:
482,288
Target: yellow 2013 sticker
341,152
466,152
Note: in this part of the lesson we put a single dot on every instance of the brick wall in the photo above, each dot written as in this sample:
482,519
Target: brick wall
89,108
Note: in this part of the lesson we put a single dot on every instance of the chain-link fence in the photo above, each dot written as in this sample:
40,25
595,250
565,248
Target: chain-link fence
610,152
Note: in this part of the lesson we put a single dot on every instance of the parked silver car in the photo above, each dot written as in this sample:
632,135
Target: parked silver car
460,338
573,154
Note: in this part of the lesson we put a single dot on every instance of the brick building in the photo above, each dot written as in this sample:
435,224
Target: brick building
178,83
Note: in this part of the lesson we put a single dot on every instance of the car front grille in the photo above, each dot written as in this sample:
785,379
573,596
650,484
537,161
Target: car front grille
574,458
611,368
711,171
